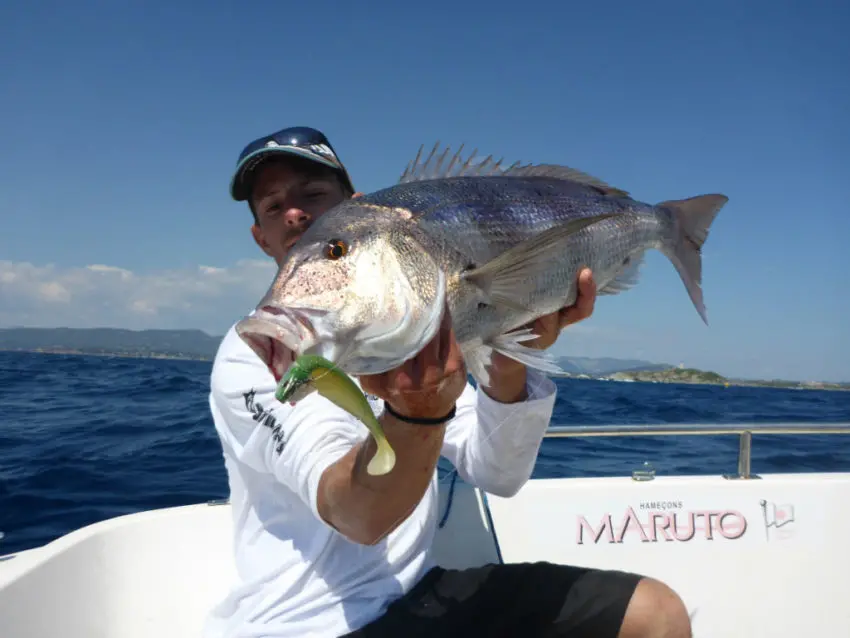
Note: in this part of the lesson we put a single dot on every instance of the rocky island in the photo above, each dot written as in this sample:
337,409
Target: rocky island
671,375
694,376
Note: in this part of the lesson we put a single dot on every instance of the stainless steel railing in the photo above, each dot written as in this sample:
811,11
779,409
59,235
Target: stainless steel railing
745,432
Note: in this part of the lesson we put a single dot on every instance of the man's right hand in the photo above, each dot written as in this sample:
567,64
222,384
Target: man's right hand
429,384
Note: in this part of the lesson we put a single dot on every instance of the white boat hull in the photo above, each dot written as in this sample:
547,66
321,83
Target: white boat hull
774,562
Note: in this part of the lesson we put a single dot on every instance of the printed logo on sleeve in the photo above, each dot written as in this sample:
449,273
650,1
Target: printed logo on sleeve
264,417
376,403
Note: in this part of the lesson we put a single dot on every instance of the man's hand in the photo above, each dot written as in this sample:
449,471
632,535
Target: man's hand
429,384
507,376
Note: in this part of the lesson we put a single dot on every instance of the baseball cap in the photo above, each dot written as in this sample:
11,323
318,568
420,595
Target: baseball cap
301,141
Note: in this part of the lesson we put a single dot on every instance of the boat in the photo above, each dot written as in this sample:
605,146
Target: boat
751,555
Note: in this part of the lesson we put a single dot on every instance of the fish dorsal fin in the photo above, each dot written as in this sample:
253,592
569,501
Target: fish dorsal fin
436,166
559,171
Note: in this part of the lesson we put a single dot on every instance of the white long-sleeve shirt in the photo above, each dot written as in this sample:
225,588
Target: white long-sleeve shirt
297,576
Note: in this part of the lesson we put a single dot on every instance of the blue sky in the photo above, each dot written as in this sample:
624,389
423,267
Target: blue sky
121,123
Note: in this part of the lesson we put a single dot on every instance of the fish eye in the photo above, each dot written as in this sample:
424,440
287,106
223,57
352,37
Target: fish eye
336,249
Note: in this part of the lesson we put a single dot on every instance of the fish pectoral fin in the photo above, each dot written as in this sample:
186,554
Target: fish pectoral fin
510,345
477,359
504,279
626,278
497,299
559,171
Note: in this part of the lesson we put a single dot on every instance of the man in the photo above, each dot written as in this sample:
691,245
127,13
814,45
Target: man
324,549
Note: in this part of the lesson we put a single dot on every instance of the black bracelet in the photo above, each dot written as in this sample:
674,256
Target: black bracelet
418,420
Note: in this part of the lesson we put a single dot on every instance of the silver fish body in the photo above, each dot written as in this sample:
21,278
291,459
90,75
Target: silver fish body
366,285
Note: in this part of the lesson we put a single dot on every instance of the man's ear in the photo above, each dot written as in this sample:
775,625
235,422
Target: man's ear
357,194
260,237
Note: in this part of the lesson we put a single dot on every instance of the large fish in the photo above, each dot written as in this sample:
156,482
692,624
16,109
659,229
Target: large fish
366,285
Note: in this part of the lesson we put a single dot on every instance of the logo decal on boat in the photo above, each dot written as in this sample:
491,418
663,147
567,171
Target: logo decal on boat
776,517
663,523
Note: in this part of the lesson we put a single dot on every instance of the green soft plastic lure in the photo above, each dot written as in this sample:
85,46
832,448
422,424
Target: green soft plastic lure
311,372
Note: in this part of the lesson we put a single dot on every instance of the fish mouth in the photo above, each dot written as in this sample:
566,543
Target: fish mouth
278,335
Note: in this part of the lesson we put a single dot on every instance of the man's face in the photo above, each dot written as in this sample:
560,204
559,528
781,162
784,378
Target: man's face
286,201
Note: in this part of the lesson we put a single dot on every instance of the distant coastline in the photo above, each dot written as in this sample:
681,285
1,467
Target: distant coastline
177,356
196,345
703,377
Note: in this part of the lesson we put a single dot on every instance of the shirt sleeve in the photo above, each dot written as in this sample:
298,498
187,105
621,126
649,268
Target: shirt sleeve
494,445
294,443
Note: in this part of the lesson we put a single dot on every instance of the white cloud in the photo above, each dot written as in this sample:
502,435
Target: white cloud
206,297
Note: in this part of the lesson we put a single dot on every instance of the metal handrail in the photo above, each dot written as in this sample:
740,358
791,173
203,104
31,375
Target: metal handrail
661,429
744,430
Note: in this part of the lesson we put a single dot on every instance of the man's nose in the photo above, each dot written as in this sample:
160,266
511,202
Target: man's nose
296,217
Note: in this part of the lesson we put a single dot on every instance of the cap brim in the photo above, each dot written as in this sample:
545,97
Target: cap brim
239,192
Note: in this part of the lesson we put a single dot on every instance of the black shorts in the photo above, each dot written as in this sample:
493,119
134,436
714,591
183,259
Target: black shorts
525,599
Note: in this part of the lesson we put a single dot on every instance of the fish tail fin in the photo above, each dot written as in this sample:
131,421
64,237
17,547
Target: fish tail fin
693,218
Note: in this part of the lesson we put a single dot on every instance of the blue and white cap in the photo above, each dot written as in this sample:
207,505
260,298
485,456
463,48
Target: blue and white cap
301,141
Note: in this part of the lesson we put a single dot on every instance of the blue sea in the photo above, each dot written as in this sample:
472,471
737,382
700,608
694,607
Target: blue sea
84,438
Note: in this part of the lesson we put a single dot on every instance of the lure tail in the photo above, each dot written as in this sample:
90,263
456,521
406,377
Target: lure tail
311,371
